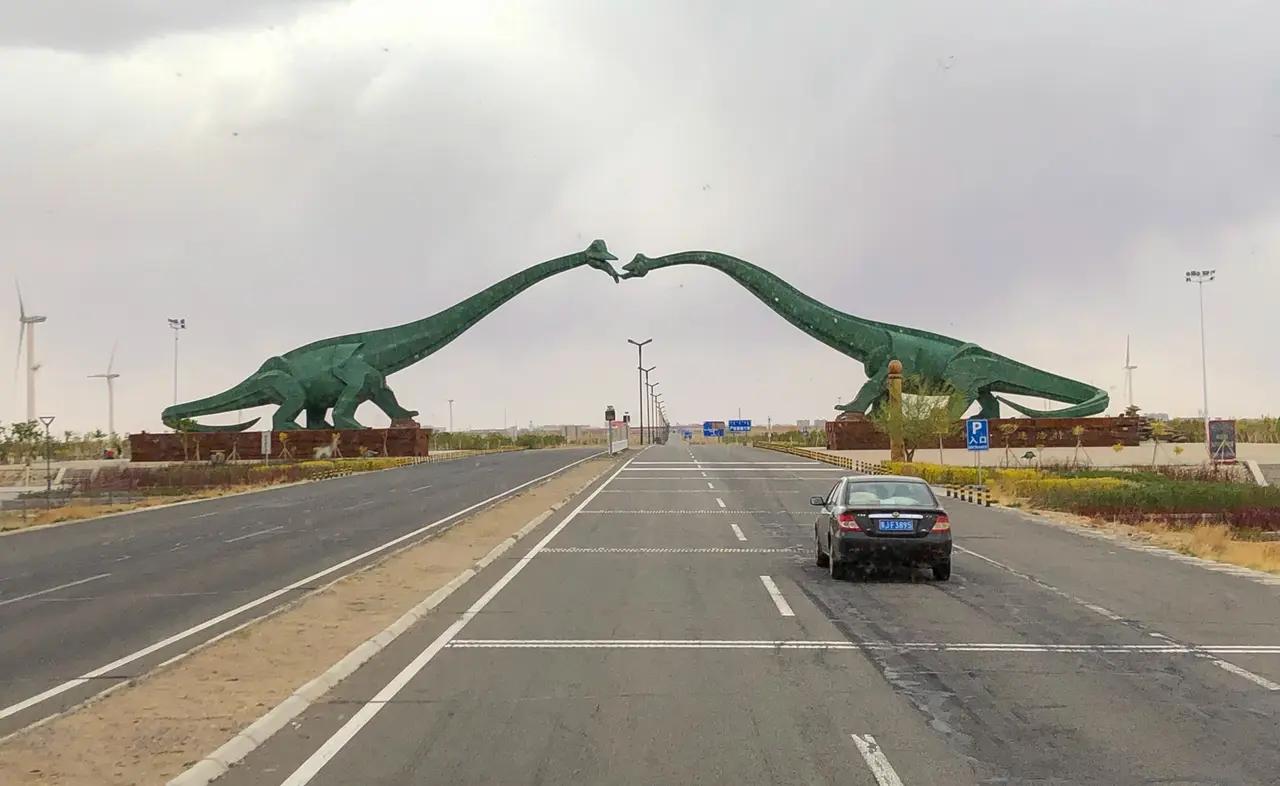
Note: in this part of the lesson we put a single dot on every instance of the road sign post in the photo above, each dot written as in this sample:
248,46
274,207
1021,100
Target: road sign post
977,433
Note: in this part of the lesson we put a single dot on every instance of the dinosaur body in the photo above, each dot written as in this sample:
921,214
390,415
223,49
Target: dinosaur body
342,373
978,374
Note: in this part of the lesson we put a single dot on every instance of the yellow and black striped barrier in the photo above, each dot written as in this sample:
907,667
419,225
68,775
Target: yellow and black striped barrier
863,467
974,495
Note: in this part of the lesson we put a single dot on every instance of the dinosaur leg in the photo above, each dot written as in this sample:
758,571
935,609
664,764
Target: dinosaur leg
315,417
868,394
359,378
286,392
990,406
386,401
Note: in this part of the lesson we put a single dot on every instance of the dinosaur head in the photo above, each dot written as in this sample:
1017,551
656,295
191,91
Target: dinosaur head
637,267
598,257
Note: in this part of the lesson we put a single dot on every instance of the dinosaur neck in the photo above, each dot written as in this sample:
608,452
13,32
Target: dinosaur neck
404,345
850,335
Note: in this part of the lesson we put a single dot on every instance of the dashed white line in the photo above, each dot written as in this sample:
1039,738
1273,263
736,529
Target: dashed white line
420,488
737,531
710,486
307,581
54,589
206,515
720,502
880,767
316,761
254,534
784,608
1232,668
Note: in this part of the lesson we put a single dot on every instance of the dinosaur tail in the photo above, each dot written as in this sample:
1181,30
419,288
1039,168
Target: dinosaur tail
1095,403
245,394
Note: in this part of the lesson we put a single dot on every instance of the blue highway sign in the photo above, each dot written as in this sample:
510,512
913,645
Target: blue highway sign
977,434
713,428
739,425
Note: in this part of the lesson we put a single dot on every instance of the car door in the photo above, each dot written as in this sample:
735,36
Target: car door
822,527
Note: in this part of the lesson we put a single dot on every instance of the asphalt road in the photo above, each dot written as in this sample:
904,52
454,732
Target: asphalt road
656,636
84,606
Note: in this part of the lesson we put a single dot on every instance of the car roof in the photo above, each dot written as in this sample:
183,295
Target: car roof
895,478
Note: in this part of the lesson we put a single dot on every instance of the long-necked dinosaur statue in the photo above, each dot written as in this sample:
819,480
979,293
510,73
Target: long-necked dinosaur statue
346,371
929,358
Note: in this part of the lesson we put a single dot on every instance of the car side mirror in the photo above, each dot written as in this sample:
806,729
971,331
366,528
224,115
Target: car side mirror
818,501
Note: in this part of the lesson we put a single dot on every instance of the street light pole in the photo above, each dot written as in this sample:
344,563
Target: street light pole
450,416
652,420
644,403
47,420
1200,278
640,377
175,325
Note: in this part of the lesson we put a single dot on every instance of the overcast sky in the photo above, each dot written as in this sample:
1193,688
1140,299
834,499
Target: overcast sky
1032,177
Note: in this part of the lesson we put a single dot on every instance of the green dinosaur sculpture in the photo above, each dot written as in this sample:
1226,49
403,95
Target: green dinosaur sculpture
929,358
346,371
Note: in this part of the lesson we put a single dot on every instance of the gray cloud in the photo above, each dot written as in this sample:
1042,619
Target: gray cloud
1035,180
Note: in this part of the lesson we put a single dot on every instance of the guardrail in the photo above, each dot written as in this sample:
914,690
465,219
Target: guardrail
865,467
978,496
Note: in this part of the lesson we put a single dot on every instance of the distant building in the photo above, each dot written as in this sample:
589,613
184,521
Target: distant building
802,425
819,425
1156,415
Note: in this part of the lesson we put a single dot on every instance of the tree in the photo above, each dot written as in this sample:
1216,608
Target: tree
1158,430
927,413
26,438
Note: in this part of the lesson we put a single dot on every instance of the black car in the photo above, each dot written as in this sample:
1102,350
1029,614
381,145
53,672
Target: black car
870,519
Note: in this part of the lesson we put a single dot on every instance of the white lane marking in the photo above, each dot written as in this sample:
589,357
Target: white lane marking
316,761
1232,668
667,550
255,534
733,463
919,646
364,504
710,486
206,515
720,502
784,608
733,469
1256,679
880,767
420,488
737,531
695,512
32,701
53,589
704,474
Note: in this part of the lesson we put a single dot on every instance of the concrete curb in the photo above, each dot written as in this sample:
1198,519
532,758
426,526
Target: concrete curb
1256,472
218,762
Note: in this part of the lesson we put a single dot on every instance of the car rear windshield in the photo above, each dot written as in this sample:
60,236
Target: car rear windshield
889,494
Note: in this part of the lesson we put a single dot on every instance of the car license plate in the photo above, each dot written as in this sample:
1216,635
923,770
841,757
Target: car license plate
890,525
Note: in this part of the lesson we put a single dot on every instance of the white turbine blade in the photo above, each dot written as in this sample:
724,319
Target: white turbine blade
112,362
17,361
22,310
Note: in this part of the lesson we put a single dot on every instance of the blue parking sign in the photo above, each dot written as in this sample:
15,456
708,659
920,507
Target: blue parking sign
977,434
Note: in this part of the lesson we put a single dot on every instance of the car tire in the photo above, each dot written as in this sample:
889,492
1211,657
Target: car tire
820,557
942,570
837,569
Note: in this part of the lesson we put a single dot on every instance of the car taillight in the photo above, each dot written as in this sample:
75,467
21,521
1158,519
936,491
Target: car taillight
942,523
847,522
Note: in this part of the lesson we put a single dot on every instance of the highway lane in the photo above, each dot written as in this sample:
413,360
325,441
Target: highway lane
641,643
76,598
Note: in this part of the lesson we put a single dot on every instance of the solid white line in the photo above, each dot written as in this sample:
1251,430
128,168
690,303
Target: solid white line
32,701
737,532
1232,668
784,608
732,469
720,502
53,589
874,757
939,647
255,534
316,761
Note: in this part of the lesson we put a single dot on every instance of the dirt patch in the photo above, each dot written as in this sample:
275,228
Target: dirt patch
151,731
1208,541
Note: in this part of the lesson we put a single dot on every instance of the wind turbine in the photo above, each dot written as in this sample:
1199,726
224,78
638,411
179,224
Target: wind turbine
1128,371
111,391
25,320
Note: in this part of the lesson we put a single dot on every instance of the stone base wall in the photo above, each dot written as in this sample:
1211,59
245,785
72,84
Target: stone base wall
285,445
860,434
